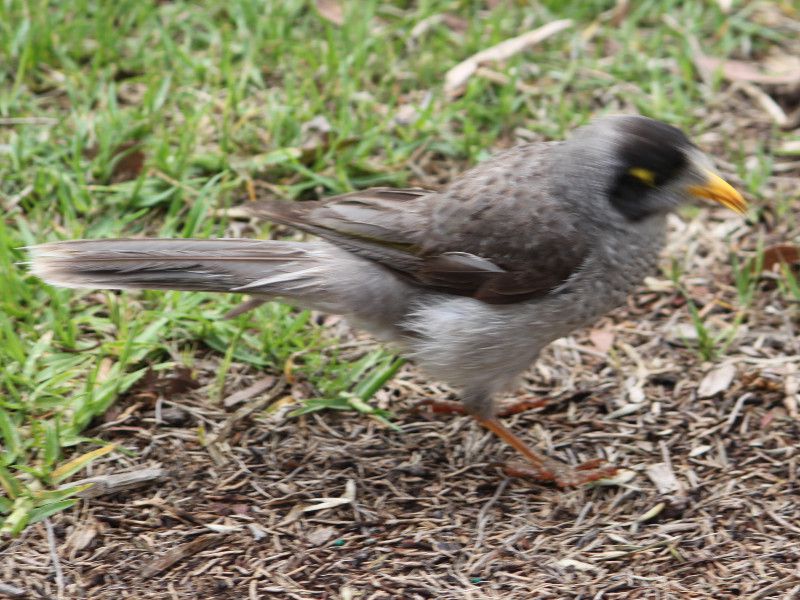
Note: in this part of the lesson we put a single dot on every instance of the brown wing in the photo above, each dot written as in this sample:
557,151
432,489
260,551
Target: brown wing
381,224
474,239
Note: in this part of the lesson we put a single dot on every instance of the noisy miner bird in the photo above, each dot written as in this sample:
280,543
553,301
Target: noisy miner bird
470,282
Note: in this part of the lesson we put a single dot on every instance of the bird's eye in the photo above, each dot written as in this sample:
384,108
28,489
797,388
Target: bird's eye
646,176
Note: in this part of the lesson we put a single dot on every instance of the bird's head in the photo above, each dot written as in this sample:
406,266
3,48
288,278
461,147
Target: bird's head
644,167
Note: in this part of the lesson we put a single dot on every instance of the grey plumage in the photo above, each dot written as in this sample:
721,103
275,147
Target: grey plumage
470,282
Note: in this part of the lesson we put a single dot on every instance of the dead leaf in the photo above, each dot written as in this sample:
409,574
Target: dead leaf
699,450
331,10
406,114
571,563
455,23
318,124
257,532
662,475
127,159
457,77
348,497
602,339
80,538
716,380
683,333
780,254
103,485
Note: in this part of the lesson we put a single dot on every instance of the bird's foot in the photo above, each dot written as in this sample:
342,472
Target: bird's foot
518,406
562,475
441,407
543,468
453,407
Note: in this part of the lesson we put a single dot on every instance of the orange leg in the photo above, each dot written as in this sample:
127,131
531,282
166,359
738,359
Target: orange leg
546,469
540,468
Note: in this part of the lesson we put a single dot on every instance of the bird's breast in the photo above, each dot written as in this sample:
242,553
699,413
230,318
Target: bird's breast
617,265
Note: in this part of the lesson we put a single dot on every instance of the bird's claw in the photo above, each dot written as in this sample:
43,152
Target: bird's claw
562,475
454,407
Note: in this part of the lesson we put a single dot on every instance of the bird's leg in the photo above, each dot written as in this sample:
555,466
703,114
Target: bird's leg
545,469
539,467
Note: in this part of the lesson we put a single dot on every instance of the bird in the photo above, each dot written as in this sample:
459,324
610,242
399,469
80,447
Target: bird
470,282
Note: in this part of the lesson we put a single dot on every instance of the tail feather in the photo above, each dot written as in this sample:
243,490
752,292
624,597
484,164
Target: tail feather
314,275
221,265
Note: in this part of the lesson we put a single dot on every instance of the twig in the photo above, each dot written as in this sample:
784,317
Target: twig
456,77
17,198
782,522
51,542
247,305
176,555
766,102
225,429
12,591
485,509
249,392
104,485
737,408
28,121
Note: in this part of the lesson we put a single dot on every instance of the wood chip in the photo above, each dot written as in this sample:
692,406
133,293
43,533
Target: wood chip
245,411
320,535
717,380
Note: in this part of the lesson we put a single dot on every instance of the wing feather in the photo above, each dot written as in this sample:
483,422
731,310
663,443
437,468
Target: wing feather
478,238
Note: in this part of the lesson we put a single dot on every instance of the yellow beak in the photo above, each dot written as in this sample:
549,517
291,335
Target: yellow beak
717,189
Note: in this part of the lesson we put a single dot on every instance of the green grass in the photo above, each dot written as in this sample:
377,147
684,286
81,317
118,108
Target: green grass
216,97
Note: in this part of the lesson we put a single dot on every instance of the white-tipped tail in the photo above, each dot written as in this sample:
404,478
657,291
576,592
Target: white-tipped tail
221,265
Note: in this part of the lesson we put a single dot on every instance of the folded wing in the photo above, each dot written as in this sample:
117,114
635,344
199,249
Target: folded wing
500,249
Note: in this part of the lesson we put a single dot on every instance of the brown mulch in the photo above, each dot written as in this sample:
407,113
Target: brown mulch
428,513
336,505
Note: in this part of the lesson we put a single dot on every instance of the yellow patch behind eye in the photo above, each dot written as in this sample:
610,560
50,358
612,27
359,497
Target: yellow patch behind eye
645,175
